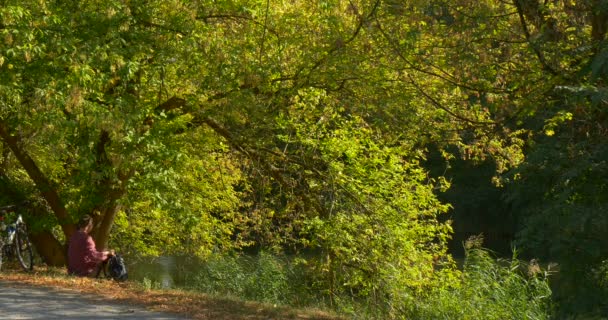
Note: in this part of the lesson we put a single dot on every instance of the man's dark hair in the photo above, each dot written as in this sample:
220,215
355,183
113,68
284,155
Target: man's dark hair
84,221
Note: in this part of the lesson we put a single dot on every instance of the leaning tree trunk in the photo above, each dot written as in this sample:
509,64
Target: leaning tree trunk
46,244
44,185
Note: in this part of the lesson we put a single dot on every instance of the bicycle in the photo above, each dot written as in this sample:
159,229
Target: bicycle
14,241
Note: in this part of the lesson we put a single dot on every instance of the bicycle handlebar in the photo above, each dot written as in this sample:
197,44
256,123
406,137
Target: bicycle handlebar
13,207
9,208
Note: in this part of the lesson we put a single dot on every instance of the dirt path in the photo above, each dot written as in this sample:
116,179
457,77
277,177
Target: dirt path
19,301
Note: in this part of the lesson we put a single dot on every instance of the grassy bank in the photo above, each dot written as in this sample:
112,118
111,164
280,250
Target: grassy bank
226,287
485,288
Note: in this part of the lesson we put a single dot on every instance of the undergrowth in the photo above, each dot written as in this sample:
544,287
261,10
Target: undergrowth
489,289
486,288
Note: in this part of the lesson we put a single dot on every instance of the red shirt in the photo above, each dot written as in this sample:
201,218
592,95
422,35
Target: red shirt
83,257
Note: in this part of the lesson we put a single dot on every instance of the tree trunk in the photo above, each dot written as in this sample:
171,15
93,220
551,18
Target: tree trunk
109,190
49,248
4,159
102,234
599,21
44,185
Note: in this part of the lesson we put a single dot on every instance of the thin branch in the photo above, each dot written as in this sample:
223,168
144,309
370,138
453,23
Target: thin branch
482,18
448,78
338,46
539,54
159,26
172,103
238,18
444,108
264,31
255,156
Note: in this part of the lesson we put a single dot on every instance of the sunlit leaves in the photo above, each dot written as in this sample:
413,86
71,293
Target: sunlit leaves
322,112
378,207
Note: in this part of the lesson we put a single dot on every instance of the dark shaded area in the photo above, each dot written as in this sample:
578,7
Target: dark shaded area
478,206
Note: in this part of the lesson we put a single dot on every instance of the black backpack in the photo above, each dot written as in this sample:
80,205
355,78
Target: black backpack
117,269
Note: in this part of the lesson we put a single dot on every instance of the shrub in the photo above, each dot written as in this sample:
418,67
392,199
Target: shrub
261,278
222,275
267,281
488,289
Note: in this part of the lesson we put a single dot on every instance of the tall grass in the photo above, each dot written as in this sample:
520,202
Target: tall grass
489,289
486,289
262,278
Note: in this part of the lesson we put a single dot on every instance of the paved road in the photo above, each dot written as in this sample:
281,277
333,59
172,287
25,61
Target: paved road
24,302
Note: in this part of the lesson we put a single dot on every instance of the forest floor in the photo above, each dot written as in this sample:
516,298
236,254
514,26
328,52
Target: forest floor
188,304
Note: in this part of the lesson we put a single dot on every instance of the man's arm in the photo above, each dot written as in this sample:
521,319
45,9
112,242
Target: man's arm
97,256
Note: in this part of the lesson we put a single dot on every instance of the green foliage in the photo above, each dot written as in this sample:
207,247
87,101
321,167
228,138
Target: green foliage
559,193
562,207
296,125
372,210
222,275
488,289
190,207
115,111
148,284
261,278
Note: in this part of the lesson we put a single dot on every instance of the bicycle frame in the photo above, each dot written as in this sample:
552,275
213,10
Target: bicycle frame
14,241
12,229
6,229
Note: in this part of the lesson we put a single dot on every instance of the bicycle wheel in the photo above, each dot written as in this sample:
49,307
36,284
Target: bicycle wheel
23,248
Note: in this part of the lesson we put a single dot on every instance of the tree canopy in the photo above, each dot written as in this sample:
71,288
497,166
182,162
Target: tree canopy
205,126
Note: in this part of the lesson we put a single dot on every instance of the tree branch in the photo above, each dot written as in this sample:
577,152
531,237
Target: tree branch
437,104
524,25
252,154
447,78
108,191
339,45
238,18
172,103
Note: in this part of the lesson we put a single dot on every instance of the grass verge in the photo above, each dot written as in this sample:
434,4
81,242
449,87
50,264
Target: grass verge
190,304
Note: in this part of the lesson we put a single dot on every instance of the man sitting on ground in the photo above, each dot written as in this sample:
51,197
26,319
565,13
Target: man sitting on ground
83,258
